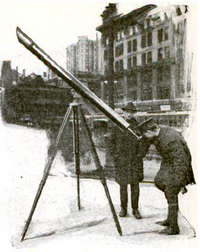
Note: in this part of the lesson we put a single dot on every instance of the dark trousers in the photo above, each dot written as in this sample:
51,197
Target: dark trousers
165,182
135,191
171,194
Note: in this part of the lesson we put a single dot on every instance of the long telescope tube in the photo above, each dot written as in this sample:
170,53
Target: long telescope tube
73,82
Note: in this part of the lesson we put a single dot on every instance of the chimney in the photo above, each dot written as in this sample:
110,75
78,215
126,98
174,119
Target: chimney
24,72
16,77
44,74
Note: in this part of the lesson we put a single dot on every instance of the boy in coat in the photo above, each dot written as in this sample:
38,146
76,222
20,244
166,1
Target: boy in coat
128,158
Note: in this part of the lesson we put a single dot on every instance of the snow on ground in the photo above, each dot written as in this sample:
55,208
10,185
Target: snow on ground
57,224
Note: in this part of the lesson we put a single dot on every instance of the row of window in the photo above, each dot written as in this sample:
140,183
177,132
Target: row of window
146,58
163,77
163,33
146,41
171,120
132,30
163,92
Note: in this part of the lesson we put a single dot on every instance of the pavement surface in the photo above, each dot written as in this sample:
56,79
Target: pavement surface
58,225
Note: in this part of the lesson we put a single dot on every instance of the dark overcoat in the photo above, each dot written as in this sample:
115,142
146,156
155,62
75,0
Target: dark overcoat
128,155
176,169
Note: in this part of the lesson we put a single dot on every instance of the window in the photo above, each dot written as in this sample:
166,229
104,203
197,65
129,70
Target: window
166,33
178,11
144,41
160,54
149,57
146,85
129,46
105,55
134,61
178,80
129,63
149,39
163,92
132,87
167,52
163,82
147,23
159,75
119,50
121,65
167,73
127,31
142,26
117,66
144,59
134,45
160,35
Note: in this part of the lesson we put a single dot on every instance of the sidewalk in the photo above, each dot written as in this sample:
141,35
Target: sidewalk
57,225
57,219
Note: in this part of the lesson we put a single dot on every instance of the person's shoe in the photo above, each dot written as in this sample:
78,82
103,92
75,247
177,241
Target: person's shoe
137,214
123,212
163,223
170,231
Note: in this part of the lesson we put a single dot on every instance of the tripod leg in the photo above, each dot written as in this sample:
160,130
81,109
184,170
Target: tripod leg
76,149
46,171
100,169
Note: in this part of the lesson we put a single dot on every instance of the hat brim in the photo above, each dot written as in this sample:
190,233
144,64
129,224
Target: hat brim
146,125
126,109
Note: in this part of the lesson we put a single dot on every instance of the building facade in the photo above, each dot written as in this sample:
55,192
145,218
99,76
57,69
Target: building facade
8,76
32,99
71,58
150,58
84,56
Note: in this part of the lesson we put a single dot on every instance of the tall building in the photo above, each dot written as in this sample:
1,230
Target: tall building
84,56
8,76
149,57
6,73
71,58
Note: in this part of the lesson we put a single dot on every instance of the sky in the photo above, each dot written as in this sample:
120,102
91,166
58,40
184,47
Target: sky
53,25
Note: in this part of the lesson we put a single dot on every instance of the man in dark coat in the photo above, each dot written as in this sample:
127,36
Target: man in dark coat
176,170
128,158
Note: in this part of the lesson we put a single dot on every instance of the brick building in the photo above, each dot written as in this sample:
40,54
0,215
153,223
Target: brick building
150,58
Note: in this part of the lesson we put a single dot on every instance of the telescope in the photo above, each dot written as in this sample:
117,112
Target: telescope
74,82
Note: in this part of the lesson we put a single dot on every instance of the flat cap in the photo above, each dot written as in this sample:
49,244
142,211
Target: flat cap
129,106
146,125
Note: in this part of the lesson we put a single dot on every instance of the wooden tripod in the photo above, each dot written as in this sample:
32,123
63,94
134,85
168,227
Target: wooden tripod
77,111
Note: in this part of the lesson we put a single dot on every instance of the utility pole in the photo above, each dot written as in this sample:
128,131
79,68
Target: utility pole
107,30
108,33
110,67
